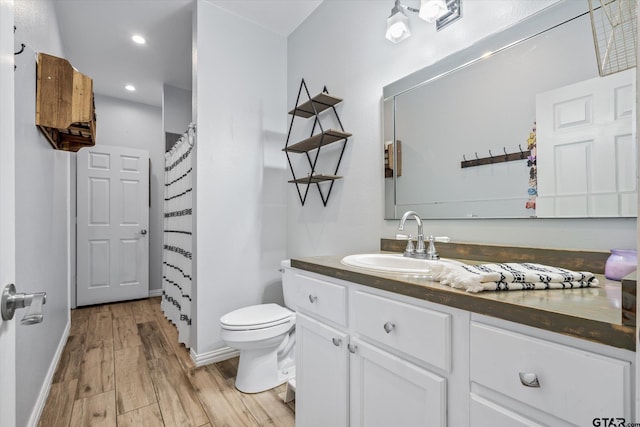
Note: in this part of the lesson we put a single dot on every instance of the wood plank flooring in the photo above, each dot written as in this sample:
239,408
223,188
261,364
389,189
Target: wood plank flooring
123,366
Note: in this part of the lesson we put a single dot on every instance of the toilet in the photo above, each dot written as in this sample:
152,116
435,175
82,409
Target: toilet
265,336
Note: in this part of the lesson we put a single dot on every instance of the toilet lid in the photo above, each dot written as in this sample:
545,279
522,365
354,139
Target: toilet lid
262,315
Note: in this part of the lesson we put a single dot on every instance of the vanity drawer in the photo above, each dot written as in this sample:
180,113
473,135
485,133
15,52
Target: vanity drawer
484,413
416,331
574,385
321,299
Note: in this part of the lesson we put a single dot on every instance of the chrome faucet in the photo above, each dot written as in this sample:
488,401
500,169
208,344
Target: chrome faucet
419,251
410,251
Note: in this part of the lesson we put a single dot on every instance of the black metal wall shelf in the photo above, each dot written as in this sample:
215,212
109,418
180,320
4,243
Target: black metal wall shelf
327,137
312,108
314,179
315,105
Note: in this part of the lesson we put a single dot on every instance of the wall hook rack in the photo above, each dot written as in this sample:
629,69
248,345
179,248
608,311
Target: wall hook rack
22,46
492,159
313,107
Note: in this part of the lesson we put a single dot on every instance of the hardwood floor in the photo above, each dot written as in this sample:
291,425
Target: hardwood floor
123,366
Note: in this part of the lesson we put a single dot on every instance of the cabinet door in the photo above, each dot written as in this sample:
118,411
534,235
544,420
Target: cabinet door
322,373
389,391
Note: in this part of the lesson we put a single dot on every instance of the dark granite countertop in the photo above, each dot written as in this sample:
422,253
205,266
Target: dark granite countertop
593,314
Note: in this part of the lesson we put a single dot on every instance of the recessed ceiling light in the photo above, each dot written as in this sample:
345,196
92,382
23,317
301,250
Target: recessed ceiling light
137,38
130,88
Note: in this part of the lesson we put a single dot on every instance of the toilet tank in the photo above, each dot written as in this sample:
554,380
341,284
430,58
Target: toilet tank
288,284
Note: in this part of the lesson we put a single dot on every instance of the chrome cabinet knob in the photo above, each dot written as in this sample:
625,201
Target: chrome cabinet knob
389,327
529,379
143,231
352,348
312,298
337,342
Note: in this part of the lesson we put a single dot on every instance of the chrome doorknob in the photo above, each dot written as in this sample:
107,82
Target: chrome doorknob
11,301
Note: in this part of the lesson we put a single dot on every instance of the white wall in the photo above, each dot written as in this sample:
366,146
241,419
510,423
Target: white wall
176,109
342,45
240,86
131,124
42,216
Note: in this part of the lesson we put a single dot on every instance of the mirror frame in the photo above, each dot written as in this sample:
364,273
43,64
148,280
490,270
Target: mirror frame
531,26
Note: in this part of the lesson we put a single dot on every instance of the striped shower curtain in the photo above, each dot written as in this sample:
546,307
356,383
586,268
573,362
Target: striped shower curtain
176,256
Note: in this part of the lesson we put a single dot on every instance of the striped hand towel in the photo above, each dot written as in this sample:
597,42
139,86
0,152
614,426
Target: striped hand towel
511,276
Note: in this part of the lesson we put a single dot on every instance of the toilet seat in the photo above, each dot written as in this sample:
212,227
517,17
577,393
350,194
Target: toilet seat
256,317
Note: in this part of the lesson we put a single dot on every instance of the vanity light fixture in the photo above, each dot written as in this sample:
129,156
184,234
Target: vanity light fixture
442,12
130,88
398,23
430,10
138,39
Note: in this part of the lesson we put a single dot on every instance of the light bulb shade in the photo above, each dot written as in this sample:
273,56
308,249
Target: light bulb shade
431,10
397,27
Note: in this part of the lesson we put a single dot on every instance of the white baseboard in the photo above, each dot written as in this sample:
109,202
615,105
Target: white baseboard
46,385
218,355
155,293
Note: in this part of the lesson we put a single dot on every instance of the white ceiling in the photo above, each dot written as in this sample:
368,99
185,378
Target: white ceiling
96,36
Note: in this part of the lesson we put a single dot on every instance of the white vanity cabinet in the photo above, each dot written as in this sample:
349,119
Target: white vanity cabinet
369,358
322,374
521,380
387,390
322,357
364,358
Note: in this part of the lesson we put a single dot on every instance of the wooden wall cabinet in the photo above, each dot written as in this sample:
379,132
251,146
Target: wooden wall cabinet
65,110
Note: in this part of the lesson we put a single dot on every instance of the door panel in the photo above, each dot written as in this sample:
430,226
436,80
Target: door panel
586,154
322,366
7,213
389,391
112,221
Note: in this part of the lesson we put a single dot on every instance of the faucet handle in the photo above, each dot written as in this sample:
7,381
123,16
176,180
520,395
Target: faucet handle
432,254
410,249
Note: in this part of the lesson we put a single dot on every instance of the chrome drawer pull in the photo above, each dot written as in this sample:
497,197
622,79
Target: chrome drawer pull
529,379
337,342
312,298
388,327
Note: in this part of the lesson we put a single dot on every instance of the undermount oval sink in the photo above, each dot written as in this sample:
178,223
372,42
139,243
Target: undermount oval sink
392,263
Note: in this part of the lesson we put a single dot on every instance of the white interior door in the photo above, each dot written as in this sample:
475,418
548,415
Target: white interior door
7,213
586,148
112,224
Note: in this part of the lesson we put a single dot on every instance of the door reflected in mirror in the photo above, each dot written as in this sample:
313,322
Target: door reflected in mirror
528,131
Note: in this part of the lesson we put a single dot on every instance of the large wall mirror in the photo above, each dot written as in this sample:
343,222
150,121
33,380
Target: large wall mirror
458,134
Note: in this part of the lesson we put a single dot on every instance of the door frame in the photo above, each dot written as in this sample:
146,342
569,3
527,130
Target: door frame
7,211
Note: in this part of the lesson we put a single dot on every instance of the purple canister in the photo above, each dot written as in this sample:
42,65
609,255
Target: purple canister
620,263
